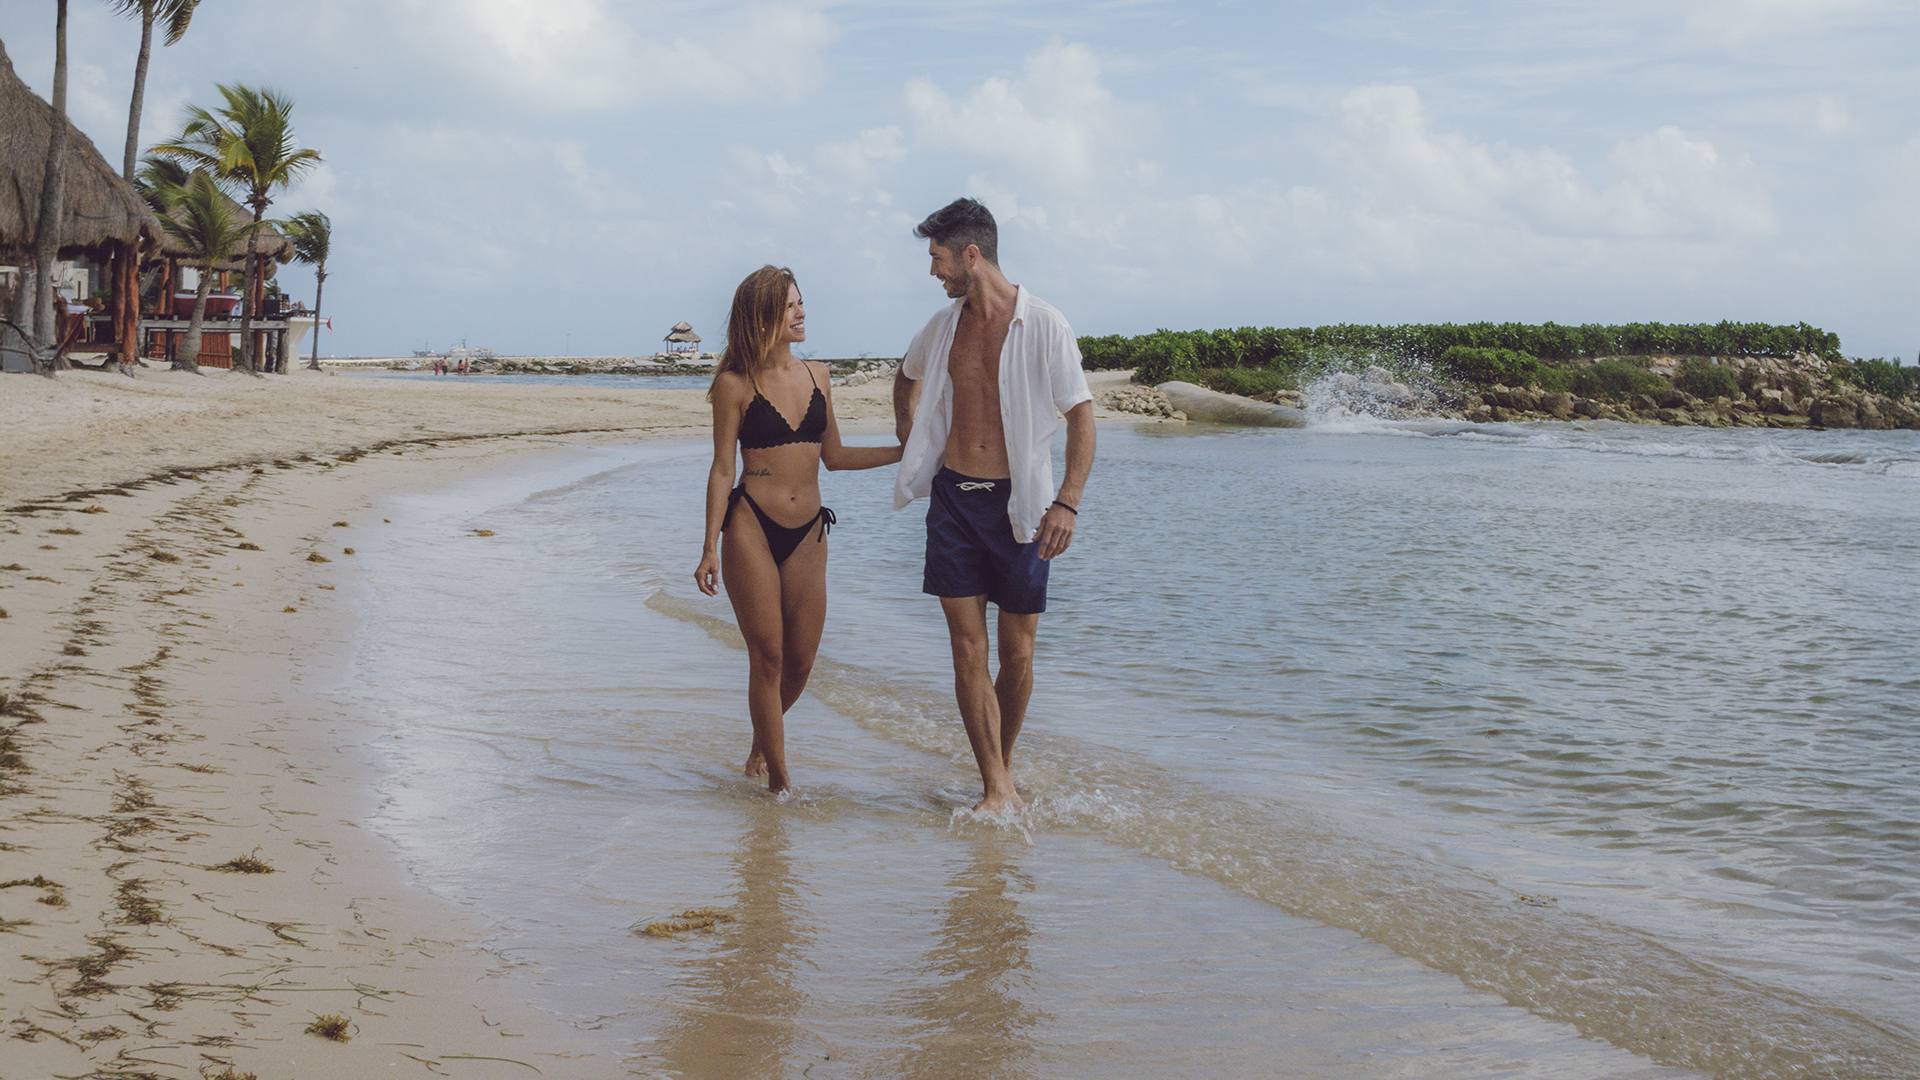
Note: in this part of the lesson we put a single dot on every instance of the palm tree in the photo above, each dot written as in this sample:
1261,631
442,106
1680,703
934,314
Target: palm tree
311,233
198,216
53,190
158,181
248,144
176,14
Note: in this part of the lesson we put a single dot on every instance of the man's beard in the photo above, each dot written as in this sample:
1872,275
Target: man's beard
959,284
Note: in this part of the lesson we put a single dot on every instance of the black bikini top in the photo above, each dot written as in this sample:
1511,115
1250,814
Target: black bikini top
763,426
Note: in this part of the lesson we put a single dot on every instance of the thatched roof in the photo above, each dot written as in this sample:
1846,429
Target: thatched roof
274,244
101,208
683,332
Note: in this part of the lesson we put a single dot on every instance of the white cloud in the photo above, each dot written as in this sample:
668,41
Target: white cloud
864,159
1056,124
764,53
1664,184
1740,22
585,55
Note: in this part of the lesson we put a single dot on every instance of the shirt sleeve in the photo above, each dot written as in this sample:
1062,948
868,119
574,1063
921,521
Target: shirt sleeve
914,364
1065,374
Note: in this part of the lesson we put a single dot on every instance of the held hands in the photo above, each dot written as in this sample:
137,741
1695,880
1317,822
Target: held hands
1056,531
707,574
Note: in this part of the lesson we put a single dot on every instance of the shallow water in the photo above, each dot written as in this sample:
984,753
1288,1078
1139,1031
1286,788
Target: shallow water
597,380
1366,749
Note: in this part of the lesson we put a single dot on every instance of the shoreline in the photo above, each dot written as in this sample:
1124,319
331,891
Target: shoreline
184,809
177,586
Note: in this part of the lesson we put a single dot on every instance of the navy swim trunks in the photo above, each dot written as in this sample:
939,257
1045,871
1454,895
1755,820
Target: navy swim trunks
971,550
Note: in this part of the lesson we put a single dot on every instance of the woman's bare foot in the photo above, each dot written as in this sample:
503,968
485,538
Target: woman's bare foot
1007,802
756,763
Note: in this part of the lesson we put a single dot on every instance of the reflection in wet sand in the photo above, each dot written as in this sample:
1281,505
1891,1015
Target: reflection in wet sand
738,1022
970,1022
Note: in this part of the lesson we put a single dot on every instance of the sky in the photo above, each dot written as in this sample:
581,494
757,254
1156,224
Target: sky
559,177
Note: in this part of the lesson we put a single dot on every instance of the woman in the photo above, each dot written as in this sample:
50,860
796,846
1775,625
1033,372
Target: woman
767,536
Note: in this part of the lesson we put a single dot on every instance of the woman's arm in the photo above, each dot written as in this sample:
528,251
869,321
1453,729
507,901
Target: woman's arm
728,405
838,456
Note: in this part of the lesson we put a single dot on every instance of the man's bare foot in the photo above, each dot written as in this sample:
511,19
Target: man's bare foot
756,764
1003,803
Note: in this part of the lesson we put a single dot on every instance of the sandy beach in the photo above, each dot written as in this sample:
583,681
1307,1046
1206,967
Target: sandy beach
186,886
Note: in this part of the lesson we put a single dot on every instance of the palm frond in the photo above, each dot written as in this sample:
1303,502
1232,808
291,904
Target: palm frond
178,14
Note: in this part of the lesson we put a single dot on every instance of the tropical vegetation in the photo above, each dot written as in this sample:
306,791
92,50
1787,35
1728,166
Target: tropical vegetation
176,14
248,144
199,216
1516,353
46,233
312,234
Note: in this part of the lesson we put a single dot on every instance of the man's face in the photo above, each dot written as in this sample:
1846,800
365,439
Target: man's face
951,269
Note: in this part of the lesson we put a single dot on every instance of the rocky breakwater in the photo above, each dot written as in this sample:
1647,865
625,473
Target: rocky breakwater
1797,392
590,365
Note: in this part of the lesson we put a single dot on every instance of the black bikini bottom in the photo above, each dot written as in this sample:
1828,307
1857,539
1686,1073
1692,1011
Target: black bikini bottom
781,540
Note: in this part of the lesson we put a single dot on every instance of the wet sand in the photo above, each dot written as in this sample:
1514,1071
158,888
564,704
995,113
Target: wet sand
186,886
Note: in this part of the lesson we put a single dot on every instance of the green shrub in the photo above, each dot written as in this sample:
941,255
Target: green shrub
1705,379
1162,356
1621,378
1417,343
1247,382
1109,353
1486,366
1881,376
1554,380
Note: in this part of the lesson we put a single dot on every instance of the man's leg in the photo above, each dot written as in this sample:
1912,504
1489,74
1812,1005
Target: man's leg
974,689
1015,683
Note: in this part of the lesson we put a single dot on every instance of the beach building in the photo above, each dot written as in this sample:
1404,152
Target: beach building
682,339
104,227
110,243
165,321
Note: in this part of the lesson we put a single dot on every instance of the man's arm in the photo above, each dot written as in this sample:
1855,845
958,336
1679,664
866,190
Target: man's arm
906,393
1056,525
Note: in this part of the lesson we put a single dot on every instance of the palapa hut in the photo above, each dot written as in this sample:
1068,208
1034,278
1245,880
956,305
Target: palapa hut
176,304
104,218
682,339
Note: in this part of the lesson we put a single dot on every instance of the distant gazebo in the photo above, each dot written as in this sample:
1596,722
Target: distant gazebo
682,339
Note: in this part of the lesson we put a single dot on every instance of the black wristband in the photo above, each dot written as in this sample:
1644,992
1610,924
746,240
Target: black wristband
1065,507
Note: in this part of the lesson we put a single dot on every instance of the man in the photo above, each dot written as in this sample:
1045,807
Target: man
976,403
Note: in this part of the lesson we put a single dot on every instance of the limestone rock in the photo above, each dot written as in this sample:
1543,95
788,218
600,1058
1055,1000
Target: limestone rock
1142,400
1200,403
1833,412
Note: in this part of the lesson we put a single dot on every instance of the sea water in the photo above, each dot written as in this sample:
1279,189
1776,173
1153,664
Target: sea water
1362,750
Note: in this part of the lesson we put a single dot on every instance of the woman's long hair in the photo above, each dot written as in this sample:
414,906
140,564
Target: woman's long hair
759,309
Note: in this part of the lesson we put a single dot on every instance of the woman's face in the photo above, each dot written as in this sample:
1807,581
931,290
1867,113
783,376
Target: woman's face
794,326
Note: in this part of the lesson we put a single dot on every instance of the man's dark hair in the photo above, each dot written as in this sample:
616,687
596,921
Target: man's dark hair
959,223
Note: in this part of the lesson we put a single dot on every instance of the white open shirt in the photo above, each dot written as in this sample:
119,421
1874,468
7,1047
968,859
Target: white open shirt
1040,378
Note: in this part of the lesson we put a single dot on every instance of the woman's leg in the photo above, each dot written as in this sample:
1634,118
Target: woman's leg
753,586
803,609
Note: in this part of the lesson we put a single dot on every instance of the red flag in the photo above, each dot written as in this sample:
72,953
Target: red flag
329,322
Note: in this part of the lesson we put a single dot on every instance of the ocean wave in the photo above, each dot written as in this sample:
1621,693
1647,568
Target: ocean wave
1880,455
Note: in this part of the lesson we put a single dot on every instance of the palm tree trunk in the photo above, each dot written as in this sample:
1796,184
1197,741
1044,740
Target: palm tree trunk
188,358
254,288
139,92
53,187
319,284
